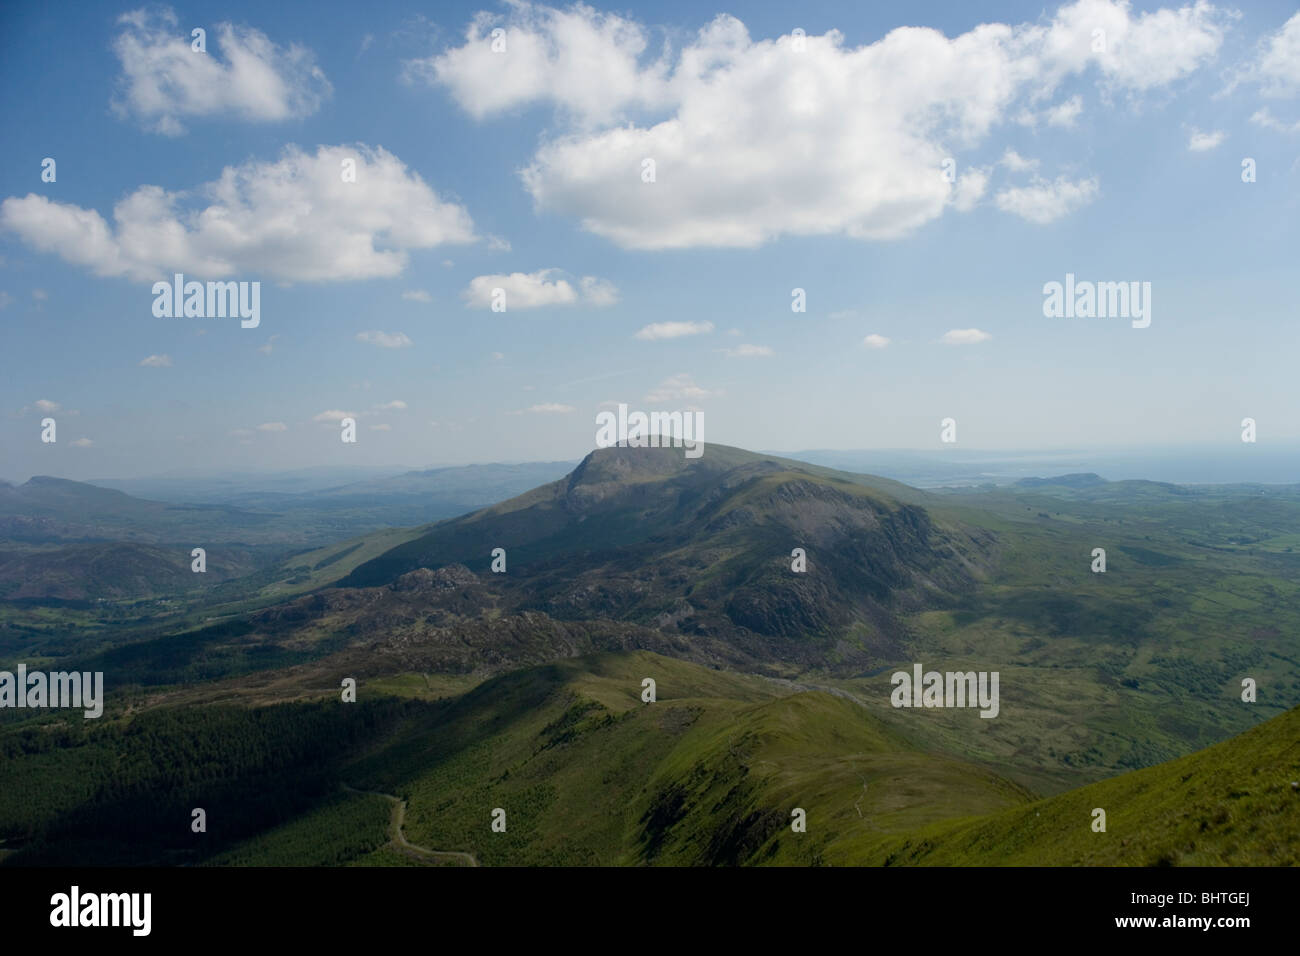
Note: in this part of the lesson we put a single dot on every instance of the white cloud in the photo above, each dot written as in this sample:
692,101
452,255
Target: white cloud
156,361
964,337
333,415
1064,114
1017,163
243,74
45,405
241,432
1263,117
533,290
1045,202
550,408
82,443
381,428
598,292
5,300
672,330
874,341
273,427
40,295
293,220
417,295
678,387
385,340
396,405
498,356
581,58
1276,69
969,189
853,137
749,351
1139,53
1199,142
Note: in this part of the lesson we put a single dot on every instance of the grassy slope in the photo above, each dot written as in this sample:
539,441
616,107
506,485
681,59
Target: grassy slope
708,774
1233,804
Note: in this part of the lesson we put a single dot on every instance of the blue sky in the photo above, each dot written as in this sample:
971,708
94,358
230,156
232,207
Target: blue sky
780,164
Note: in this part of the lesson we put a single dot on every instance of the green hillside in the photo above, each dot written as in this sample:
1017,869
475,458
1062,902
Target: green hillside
1236,803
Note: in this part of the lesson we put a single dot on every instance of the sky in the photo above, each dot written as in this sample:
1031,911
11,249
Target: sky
921,172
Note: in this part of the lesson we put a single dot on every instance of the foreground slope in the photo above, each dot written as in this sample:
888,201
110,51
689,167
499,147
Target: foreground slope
1236,803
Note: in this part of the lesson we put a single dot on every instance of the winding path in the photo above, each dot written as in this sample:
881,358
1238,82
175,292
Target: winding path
401,845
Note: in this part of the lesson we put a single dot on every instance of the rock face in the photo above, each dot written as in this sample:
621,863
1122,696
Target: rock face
448,578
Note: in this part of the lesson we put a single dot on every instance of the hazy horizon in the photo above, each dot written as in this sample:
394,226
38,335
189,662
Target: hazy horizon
1181,464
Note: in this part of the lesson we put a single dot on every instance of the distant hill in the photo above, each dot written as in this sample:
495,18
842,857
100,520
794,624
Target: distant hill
1083,480
72,540
47,509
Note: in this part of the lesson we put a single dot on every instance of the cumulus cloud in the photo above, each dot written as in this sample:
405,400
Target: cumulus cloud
853,136
874,341
243,74
1064,114
333,415
385,340
82,443
1017,163
1044,202
397,405
381,428
273,427
583,59
1276,68
672,330
417,295
964,337
46,406
550,408
156,361
534,290
292,220
1199,142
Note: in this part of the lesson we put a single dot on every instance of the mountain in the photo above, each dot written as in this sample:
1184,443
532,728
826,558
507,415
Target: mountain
704,548
46,509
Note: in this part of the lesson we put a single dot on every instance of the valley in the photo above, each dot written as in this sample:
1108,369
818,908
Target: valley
521,690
